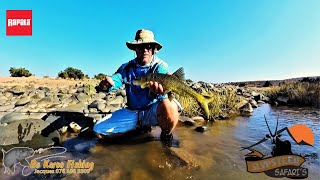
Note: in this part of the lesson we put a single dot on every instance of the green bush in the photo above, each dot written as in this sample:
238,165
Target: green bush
100,76
19,72
71,73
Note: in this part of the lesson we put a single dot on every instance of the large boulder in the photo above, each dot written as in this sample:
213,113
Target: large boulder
27,133
282,100
18,90
246,109
12,117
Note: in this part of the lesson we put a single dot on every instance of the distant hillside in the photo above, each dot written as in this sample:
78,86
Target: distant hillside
267,83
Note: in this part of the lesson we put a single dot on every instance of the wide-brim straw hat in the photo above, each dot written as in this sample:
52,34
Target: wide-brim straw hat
143,36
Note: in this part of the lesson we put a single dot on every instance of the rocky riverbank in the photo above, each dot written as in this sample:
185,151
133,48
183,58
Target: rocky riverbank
24,102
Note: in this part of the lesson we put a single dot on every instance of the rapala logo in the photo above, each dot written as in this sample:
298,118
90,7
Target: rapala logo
19,22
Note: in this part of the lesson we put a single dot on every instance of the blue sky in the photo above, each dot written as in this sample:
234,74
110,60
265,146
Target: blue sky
214,40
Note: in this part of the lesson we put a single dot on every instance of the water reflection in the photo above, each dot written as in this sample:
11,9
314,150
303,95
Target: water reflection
214,154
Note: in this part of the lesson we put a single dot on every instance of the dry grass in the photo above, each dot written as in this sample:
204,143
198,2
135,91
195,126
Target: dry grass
300,93
225,102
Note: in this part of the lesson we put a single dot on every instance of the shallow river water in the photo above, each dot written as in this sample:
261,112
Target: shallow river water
214,154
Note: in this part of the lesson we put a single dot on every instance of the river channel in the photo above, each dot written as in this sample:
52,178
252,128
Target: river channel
214,154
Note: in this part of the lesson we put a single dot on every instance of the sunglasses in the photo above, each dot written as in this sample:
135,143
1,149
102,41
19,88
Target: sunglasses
145,46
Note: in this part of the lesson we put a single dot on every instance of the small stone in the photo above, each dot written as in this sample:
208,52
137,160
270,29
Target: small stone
247,108
199,120
253,103
7,107
187,121
117,100
37,115
75,127
82,97
2,101
95,116
79,107
246,94
100,95
80,90
110,97
63,130
101,106
93,110
44,102
223,116
72,91
201,129
23,101
86,111
107,109
94,104
8,95
41,94
258,97
253,93
282,100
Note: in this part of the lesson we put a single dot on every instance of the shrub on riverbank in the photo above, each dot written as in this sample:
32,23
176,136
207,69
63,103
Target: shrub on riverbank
71,73
100,76
19,72
299,93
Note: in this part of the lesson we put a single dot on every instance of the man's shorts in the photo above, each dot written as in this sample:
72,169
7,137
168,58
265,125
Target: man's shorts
124,120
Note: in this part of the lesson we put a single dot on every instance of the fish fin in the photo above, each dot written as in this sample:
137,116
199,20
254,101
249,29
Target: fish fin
204,101
24,162
179,74
144,85
183,101
170,96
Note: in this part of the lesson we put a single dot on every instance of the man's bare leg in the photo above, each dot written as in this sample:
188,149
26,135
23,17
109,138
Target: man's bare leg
168,116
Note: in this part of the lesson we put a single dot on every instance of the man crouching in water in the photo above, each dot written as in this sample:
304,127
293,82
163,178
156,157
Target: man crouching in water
146,107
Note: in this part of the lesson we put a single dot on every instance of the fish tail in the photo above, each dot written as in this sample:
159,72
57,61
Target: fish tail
204,101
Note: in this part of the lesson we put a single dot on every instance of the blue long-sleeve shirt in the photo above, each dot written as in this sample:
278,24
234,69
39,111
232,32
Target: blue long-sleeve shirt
138,98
